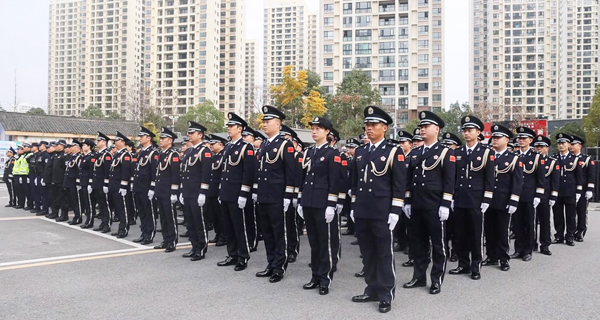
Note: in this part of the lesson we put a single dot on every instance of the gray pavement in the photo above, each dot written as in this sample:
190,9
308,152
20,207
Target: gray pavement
148,284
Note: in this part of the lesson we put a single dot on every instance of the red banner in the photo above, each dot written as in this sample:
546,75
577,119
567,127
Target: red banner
539,126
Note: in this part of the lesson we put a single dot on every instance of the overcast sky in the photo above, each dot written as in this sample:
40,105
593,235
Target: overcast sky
24,48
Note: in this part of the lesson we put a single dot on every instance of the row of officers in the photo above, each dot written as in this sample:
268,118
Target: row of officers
433,195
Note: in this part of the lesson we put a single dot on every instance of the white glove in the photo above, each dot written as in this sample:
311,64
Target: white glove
484,207
150,194
406,210
295,202
131,187
89,189
350,192
201,200
123,192
105,189
254,197
536,202
452,204
27,180
173,198
552,202
42,182
512,209
577,196
329,214
78,188
588,195
392,220
339,208
352,215
242,202
181,198
219,199
286,204
35,182
20,180
444,213
300,212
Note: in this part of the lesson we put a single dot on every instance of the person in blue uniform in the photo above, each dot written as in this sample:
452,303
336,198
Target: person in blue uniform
473,194
41,199
100,177
275,183
401,232
293,240
551,185
8,176
431,173
213,207
252,223
118,186
129,203
351,145
417,140
453,142
46,180
588,179
58,195
70,182
85,170
143,171
378,189
507,191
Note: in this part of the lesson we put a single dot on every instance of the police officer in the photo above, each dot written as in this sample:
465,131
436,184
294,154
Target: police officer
588,178
237,176
212,206
378,190
569,192
351,145
293,239
551,185
129,203
474,189
507,190
70,181
32,200
8,176
248,134
118,185
86,169
432,173
343,186
451,141
165,186
275,183
46,180
318,195
40,202
20,174
417,140
142,176
58,194
401,232
102,162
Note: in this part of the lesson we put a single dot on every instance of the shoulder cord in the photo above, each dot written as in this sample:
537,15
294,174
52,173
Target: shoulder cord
388,165
434,165
306,164
535,164
160,165
279,153
143,163
116,163
573,167
100,161
551,168
233,164
508,168
72,163
199,154
486,154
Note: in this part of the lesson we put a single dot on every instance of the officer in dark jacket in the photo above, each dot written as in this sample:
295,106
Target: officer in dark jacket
344,184
507,190
118,185
58,194
428,199
212,206
142,175
453,142
474,188
102,161
252,224
402,230
569,192
165,186
40,203
70,181
351,145
33,192
46,180
129,203
551,185
588,178
293,239
8,176
86,169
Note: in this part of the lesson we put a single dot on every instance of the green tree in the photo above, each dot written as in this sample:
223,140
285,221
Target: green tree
346,107
571,128
36,111
153,121
313,83
205,114
92,112
591,122
115,116
452,117
412,125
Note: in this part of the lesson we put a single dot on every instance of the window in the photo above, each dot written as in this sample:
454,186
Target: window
363,35
328,35
387,75
328,48
328,62
363,62
328,21
348,62
347,36
423,86
347,22
423,72
347,8
423,15
327,75
328,7
423,102
347,49
386,33
423,58
423,29
363,48
363,7
387,61
387,47
403,46
423,44
363,21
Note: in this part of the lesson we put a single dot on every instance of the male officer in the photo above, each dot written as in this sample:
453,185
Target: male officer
569,192
378,186
165,186
213,207
20,174
351,145
473,193
86,169
293,240
432,173
343,185
507,190
402,228
118,185
531,194
275,183
417,140
58,194
8,176
588,178
33,190
40,203
142,176
195,181
129,204
70,182
451,141
237,176
46,180
551,184
248,134
102,162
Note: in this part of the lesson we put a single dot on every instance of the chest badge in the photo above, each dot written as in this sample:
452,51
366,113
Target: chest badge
530,162
478,158
382,158
435,157
506,163
358,158
322,159
458,157
236,153
274,149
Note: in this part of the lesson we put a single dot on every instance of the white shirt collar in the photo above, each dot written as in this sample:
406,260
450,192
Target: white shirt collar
234,142
146,147
273,138
473,147
376,144
197,144
319,147
428,146
499,153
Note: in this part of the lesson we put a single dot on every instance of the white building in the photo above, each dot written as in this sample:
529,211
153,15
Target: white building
313,51
231,51
252,92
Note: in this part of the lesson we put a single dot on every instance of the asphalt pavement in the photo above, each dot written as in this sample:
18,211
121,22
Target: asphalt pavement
50,270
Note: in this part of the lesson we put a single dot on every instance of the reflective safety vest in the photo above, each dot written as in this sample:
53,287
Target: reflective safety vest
21,167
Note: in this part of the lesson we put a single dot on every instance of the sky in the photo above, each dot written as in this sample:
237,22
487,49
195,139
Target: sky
24,48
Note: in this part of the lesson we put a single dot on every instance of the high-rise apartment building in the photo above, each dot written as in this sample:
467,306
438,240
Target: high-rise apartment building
285,38
251,90
314,49
397,43
231,60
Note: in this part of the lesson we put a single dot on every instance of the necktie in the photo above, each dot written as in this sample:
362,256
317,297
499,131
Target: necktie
497,155
563,157
468,152
372,148
425,150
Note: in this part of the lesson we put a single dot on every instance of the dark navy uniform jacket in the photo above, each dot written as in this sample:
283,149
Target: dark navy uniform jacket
238,169
58,167
509,180
40,162
72,171
48,168
195,171
378,181
86,168
588,172
570,177
321,177
533,175
215,175
344,184
102,161
431,177
166,179
474,177
276,178
551,178
8,166
144,168
120,171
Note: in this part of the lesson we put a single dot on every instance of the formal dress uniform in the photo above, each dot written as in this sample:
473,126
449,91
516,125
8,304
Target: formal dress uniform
474,188
335,225
451,141
58,195
401,232
86,169
212,206
165,187
551,185
588,179
275,183
7,178
40,203
129,202
347,201
570,190
432,172
100,178
118,185
33,190
142,176
507,191
47,180
293,239
71,186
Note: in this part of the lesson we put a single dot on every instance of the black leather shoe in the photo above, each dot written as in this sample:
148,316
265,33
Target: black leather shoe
86,226
360,274
240,266
488,262
265,273
132,222
227,262
527,257
347,233
435,288
8,205
162,245
40,213
122,234
475,275
189,254
52,216
516,255
570,243
62,219
454,258
535,247
114,234
212,240
19,207
309,286
75,221
34,210
363,298
197,257
106,229
504,266
253,249
292,258
220,244
558,241
579,239
459,270
28,208
385,306
184,235
138,240
414,283
170,248
147,241
276,277
100,228
354,243
408,263
323,290
545,251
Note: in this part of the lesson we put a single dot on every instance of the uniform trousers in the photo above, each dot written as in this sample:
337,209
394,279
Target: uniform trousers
427,228
44,202
144,211
32,195
60,199
102,198
543,218
20,184
250,216
469,235
73,195
524,228
320,240
120,210
582,211
565,210
336,239
496,226
196,224
213,208
37,193
293,241
130,207
84,199
376,244
168,219
235,226
274,230
11,193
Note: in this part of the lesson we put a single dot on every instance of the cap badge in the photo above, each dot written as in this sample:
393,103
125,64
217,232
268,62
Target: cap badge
370,110
447,135
495,127
265,109
423,115
540,138
316,119
162,130
467,118
522,130
230,116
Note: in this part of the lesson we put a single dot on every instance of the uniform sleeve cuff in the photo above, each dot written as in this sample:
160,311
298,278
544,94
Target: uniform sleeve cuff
105,180
124,182
447,197
488,194
539,190
342,195
245,188
555,193
152,183
591,185
289,189
174,187
205,186
332,197
397,202
514,197
407,194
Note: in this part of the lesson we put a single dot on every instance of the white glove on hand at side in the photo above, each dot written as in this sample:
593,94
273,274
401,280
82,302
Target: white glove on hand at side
588,195
536,202
406,209
552,202
339,208
286,204
511,209
393,220
35,182
329,214
242,202
444,213
254,197
577,197
181,198
300,212
89,189
484,207
123,192
173,198
452,204
150,194
42,182
352,215
105,189
295,202
201,200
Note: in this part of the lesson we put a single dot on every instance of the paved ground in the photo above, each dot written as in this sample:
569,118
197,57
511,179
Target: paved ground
53,271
